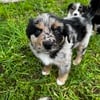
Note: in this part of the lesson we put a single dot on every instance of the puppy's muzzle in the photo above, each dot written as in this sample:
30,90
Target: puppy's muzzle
47,44
75,14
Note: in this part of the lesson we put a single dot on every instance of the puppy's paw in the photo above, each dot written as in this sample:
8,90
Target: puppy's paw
45,73
46,70
62,79
60,82
76,61
45,98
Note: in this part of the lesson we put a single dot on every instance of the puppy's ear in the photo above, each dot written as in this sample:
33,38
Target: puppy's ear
33,28
57,27
85,9
30,28
69,6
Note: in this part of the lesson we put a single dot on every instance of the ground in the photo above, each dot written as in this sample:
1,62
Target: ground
20,70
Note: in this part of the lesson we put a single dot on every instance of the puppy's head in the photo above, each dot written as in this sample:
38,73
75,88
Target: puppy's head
76,9
45,33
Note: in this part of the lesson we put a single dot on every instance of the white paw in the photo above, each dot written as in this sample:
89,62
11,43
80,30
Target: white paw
45,98
59,82
76,62
45,73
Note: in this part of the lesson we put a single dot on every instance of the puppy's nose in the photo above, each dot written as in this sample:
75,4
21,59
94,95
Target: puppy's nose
75,14
47,44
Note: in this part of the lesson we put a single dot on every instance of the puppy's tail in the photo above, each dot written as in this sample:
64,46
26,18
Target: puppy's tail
93,7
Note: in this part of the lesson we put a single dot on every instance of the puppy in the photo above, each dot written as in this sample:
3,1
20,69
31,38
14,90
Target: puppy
48,43
78,10
52,40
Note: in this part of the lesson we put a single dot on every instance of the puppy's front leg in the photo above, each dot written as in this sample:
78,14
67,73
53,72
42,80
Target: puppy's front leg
80,52
46,70
63,74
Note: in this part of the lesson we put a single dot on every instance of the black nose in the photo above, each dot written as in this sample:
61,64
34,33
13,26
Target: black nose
75,14
47,44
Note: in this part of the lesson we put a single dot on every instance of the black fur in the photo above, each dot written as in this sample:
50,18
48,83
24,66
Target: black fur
69,6
54,53
32,29
84,8
78,27
98,30
96,19
58,33
94,7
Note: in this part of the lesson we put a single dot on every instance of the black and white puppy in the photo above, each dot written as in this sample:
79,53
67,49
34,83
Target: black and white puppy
78,10
52,40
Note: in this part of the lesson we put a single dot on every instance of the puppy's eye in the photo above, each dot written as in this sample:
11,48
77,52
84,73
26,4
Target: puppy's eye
80,9
37,32
73,8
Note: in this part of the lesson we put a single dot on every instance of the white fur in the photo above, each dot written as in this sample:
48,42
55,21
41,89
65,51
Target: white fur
60,83
43,56
45,73
85,41
7,1
44,98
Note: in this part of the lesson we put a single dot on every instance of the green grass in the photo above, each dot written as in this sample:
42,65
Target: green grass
20,71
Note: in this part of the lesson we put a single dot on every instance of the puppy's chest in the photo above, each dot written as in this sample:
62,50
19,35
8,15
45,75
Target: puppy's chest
60,59
46,59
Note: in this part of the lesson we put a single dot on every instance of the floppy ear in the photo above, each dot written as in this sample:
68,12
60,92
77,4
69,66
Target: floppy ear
58,27
85,8
69,6
30,28
33,28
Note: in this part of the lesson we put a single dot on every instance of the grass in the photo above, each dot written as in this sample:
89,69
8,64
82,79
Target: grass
20,71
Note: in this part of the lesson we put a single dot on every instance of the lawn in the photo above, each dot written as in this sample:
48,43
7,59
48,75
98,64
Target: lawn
20,70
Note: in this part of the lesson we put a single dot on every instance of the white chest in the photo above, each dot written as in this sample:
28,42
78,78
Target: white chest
45,58
42,56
